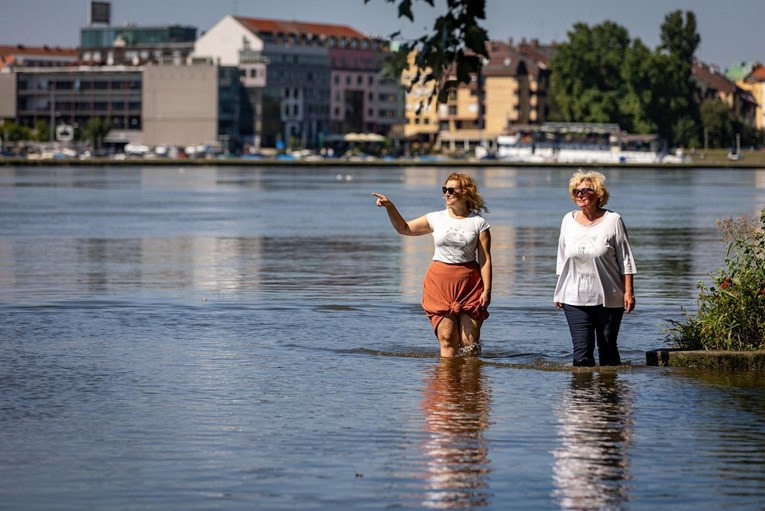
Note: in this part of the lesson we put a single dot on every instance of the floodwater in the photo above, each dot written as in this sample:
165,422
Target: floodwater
251,338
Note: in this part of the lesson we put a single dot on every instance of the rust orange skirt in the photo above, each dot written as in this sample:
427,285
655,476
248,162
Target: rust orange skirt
449,290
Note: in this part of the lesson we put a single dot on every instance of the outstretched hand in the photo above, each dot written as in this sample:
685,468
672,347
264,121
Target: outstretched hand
382,200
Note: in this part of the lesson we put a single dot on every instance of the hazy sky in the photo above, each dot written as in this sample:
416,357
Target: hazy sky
730,32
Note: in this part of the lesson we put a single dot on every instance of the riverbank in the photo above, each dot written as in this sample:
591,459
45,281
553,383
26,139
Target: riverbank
724,360
271,162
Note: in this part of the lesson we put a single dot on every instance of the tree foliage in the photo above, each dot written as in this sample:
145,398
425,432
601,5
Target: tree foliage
601,75
456,45
96,130
719,123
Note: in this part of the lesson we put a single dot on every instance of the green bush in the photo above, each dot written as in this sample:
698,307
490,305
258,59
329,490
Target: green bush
731,313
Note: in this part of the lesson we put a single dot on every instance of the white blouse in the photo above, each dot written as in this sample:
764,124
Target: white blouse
592,261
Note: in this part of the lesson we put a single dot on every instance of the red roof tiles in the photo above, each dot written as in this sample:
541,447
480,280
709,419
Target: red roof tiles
262,26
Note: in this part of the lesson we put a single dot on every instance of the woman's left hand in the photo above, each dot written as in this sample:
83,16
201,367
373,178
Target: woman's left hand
629,303
485,299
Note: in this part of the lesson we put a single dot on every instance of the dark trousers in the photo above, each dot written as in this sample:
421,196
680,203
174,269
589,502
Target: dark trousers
590,323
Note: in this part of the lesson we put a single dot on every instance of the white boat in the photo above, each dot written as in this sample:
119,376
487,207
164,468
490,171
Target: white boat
560,142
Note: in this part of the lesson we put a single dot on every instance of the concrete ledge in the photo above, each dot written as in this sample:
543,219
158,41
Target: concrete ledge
724,360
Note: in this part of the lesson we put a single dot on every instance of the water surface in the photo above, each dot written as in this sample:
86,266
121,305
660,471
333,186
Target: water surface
251,338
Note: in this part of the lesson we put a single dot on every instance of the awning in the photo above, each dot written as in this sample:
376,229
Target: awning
124,137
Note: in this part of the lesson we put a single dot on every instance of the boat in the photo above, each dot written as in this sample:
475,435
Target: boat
565,142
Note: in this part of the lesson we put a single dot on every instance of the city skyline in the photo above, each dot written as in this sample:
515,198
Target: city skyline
724,40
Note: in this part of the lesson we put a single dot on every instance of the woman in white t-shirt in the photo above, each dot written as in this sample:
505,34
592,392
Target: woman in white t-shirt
595,268
456,290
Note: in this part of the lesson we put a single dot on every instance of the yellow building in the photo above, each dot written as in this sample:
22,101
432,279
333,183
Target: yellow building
755,83
420,109
511,90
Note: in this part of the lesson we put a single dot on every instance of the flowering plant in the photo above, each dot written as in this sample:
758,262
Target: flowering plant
730,316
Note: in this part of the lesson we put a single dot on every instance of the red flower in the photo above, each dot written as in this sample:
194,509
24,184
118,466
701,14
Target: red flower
728,282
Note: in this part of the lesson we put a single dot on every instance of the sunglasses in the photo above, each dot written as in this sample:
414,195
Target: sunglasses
579,192
450,190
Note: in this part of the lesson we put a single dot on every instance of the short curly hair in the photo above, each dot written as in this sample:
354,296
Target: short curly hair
598,181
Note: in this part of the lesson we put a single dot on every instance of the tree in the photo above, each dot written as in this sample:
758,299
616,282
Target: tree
455,47
587,73
718,123
13,132
42,131
96,130
638,71
675,107
601,75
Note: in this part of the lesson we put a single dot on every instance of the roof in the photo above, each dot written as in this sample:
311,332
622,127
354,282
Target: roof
713,79
48,51
506,60
739,70
298,28
758,75
12,55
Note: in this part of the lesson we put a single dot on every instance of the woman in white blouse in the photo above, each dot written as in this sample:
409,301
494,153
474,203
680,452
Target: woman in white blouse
595,268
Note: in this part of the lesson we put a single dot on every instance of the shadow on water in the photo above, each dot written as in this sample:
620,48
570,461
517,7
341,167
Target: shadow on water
456,405
591,464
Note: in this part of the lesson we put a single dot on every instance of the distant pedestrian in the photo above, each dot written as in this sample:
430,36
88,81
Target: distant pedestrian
595,268
456,291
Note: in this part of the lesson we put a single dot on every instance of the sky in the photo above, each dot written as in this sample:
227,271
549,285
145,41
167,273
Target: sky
731,32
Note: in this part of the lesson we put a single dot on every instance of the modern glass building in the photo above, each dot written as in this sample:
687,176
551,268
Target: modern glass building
132,44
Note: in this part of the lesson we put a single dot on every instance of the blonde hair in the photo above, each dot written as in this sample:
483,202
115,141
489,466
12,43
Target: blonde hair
470,193
598,181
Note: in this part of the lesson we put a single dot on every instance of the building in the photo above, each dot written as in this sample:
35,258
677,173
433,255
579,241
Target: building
713,84
511,89
755,84
20,56
71,96
159,104
187,105
136,45
319,79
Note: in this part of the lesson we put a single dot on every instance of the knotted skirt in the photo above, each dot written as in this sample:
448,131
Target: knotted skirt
449,290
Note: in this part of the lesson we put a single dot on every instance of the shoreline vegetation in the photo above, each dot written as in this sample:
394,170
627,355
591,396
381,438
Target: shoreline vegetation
727,331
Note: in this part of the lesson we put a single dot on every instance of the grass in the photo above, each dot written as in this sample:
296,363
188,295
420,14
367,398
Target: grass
720,157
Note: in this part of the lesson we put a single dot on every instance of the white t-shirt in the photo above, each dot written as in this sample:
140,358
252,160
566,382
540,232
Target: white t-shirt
456,239
592,261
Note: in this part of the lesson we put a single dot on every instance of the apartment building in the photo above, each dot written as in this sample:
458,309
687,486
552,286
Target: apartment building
754,82
319,78
737,96
511,89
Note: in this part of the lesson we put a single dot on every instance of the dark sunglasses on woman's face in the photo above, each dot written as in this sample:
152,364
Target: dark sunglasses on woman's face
580,192
450,190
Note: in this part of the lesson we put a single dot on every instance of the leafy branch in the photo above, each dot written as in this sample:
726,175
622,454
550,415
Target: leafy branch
449,55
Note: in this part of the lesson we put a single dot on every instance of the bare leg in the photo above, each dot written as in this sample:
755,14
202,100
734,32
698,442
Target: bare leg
448,336
470,335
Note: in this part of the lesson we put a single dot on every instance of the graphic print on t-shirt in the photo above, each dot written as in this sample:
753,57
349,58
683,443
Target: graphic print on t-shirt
454,242
585,249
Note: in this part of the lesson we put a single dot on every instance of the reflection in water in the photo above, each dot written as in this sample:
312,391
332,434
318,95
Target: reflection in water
591,466
456,406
